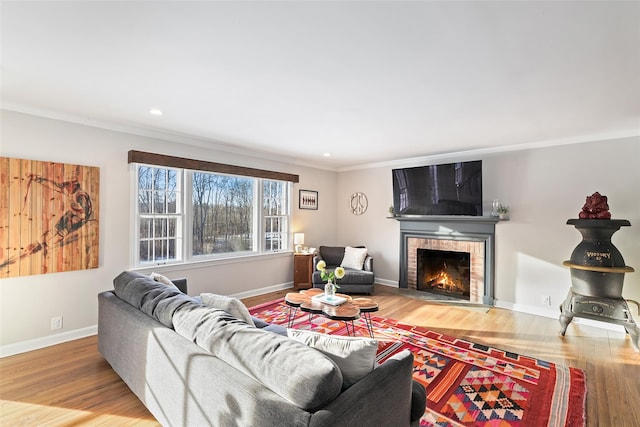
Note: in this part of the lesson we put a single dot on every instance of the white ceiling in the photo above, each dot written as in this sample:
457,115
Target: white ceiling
367,81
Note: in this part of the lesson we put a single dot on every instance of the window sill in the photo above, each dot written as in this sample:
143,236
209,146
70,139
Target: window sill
211,262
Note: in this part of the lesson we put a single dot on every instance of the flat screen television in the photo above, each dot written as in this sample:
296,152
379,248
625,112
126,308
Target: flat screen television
446,189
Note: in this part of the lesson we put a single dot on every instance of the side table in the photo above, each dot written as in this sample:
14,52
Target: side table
302,270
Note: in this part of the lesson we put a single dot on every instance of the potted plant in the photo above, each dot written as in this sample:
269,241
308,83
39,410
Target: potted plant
503,212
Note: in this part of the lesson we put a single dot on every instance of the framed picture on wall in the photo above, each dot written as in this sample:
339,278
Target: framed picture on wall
308,199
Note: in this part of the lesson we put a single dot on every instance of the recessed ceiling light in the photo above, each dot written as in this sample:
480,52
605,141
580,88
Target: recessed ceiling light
155,111
327,154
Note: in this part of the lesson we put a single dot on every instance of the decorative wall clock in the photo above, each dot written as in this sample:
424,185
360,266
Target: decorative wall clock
359,203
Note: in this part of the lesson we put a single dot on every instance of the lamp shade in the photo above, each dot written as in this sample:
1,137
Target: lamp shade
298,241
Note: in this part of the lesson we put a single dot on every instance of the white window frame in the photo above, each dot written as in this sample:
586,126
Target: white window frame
186,230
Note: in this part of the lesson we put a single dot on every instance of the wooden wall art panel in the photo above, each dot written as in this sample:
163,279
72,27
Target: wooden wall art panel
48,217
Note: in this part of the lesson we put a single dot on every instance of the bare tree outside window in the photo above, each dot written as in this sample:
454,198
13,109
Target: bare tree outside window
276,214
159,214
222,214
222,209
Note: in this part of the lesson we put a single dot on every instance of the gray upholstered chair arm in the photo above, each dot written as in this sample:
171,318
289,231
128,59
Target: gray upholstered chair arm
368,263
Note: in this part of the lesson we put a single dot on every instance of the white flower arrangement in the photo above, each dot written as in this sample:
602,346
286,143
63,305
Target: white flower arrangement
330,275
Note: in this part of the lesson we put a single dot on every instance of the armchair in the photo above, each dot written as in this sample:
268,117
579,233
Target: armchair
355,280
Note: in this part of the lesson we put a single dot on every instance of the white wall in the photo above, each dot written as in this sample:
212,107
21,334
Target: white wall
543,187
28,303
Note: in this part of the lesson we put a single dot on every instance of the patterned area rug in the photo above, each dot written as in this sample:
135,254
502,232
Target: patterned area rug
467,384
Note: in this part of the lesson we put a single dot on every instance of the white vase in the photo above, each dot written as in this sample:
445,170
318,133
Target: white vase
329,290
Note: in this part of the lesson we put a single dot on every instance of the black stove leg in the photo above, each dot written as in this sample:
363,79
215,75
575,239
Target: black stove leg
565,314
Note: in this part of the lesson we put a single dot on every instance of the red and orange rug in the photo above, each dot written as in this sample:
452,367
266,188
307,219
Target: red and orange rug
467,384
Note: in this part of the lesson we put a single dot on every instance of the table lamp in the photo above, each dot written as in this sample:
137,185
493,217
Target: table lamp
298,240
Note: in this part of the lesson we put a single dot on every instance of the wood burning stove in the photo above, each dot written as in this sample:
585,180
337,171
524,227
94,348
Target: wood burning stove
597,275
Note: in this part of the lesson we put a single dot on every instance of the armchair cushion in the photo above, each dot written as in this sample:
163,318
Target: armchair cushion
353,257
332,255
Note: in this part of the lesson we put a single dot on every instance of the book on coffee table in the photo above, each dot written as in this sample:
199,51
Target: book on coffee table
335,300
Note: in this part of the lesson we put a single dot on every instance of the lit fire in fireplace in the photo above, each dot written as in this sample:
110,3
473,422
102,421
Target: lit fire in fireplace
442,281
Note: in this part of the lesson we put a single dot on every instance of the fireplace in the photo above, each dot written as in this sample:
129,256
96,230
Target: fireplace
460,239
444,272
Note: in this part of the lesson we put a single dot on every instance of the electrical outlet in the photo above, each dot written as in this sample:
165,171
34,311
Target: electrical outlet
56,323
546,300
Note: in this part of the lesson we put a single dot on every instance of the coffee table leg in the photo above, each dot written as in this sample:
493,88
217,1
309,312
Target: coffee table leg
367,320
351,332
292,316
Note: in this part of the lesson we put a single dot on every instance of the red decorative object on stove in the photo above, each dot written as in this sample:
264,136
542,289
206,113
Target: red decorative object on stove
596,207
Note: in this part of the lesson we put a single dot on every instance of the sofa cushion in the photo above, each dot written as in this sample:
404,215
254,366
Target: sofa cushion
359,277
304,376
153,298
332,255
353,257
231,305
354,356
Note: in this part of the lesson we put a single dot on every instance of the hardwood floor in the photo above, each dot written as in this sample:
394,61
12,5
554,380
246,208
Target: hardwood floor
71,385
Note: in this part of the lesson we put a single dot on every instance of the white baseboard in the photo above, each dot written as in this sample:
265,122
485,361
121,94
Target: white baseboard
554,313
35,344
385,282
256,292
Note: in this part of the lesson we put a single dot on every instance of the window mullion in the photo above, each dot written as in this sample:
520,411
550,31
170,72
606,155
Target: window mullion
258,219
187,214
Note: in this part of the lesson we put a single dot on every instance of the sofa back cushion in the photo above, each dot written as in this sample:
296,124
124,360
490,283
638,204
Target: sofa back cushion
332,255
302,375
153,298
231,305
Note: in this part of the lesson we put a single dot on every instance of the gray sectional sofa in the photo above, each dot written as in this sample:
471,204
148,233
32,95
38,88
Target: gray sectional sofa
193,365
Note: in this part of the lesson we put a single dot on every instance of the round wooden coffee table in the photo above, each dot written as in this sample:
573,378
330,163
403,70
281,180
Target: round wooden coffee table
348,312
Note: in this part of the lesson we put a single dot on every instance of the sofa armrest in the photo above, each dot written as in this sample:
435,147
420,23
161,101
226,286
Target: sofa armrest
388,388
181,284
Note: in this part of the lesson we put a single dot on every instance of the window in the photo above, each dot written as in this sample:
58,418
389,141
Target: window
275,212
222,213
218,215
159,215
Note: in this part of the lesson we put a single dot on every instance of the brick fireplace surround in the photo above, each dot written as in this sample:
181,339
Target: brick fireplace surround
475,235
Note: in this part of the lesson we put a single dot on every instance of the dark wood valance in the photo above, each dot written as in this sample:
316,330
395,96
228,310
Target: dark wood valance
201,165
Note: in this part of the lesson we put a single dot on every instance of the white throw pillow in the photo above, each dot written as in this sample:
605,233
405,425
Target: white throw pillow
354,257
354,356
162,279
231,305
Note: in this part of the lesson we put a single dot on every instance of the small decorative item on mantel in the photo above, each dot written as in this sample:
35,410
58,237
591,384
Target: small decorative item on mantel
503,212
392,212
